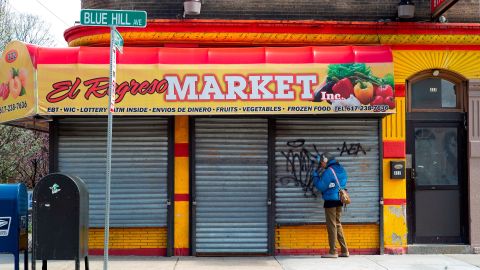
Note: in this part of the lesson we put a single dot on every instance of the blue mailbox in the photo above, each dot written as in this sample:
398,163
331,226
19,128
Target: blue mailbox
14,221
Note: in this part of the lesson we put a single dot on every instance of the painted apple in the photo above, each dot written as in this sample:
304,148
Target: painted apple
384,91
15,86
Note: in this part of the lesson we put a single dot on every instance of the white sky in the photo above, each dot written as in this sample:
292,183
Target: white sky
60,14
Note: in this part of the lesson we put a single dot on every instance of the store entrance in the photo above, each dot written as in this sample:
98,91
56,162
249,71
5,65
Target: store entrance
437,181
436,162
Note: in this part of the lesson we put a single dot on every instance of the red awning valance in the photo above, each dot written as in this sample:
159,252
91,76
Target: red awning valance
166,55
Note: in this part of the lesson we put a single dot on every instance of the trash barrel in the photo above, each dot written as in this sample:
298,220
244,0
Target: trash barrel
60,220
14,221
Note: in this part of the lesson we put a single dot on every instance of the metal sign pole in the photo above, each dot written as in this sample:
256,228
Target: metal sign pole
111,108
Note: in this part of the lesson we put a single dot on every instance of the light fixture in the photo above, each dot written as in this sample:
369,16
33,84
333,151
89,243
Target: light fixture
406,9
436,72
192,7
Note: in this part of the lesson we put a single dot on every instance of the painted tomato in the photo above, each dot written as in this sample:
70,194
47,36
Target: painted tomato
384,91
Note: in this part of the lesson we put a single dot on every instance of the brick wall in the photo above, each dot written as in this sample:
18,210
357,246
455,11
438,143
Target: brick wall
129,241
313,239
346,10
464,11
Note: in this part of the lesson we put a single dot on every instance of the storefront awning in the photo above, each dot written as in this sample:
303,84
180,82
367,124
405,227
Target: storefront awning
38,82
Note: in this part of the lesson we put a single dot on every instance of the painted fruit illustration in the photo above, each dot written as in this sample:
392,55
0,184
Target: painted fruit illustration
16,82
4,91
15,86
22,74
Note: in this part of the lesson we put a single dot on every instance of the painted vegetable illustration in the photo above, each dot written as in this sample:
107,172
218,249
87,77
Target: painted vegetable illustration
364,92
351,101
384,91
346,81
344,87
323,90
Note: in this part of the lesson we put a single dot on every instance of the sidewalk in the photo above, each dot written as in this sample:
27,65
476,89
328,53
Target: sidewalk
359,262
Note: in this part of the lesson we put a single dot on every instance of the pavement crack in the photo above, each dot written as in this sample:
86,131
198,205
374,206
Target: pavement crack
375,262
175,266
275,257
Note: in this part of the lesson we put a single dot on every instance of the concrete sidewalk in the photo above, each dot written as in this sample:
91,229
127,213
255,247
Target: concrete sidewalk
359,262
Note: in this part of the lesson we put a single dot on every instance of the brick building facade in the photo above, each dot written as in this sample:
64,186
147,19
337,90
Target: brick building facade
216,183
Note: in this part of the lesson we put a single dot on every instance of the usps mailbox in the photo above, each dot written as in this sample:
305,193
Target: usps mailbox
14,221
60,220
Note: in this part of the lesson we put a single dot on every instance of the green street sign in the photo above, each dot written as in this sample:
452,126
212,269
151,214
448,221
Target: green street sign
117,40
105,17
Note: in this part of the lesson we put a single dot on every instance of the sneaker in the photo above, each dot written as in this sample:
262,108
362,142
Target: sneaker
346,254
333,256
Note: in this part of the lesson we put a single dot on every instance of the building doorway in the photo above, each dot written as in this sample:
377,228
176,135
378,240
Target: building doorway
436,159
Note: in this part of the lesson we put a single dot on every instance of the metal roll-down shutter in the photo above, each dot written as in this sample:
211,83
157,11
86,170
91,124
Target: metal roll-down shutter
231,185
139,167
353,141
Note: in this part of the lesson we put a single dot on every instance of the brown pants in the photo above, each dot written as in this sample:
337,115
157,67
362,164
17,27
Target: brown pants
334,229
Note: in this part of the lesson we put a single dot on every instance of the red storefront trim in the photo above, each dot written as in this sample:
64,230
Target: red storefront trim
395,251
181,252
181,150
181,197
394,201
394,149
130,251
400,90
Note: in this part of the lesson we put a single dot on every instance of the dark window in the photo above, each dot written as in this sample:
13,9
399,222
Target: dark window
434,93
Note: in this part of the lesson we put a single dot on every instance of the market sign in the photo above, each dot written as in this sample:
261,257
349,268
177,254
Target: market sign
439,7
17,88
105,17
215,81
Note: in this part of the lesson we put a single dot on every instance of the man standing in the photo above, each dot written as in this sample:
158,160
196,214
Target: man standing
328,183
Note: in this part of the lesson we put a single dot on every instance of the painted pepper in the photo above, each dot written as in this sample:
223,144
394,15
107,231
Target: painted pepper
363,92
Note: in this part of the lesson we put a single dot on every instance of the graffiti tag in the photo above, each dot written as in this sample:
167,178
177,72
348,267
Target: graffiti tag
300,164
352,149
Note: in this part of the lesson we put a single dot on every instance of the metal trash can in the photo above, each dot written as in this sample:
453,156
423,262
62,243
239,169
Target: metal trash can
14,221
60,220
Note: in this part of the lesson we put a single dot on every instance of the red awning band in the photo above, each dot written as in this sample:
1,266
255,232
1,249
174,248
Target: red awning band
260,55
